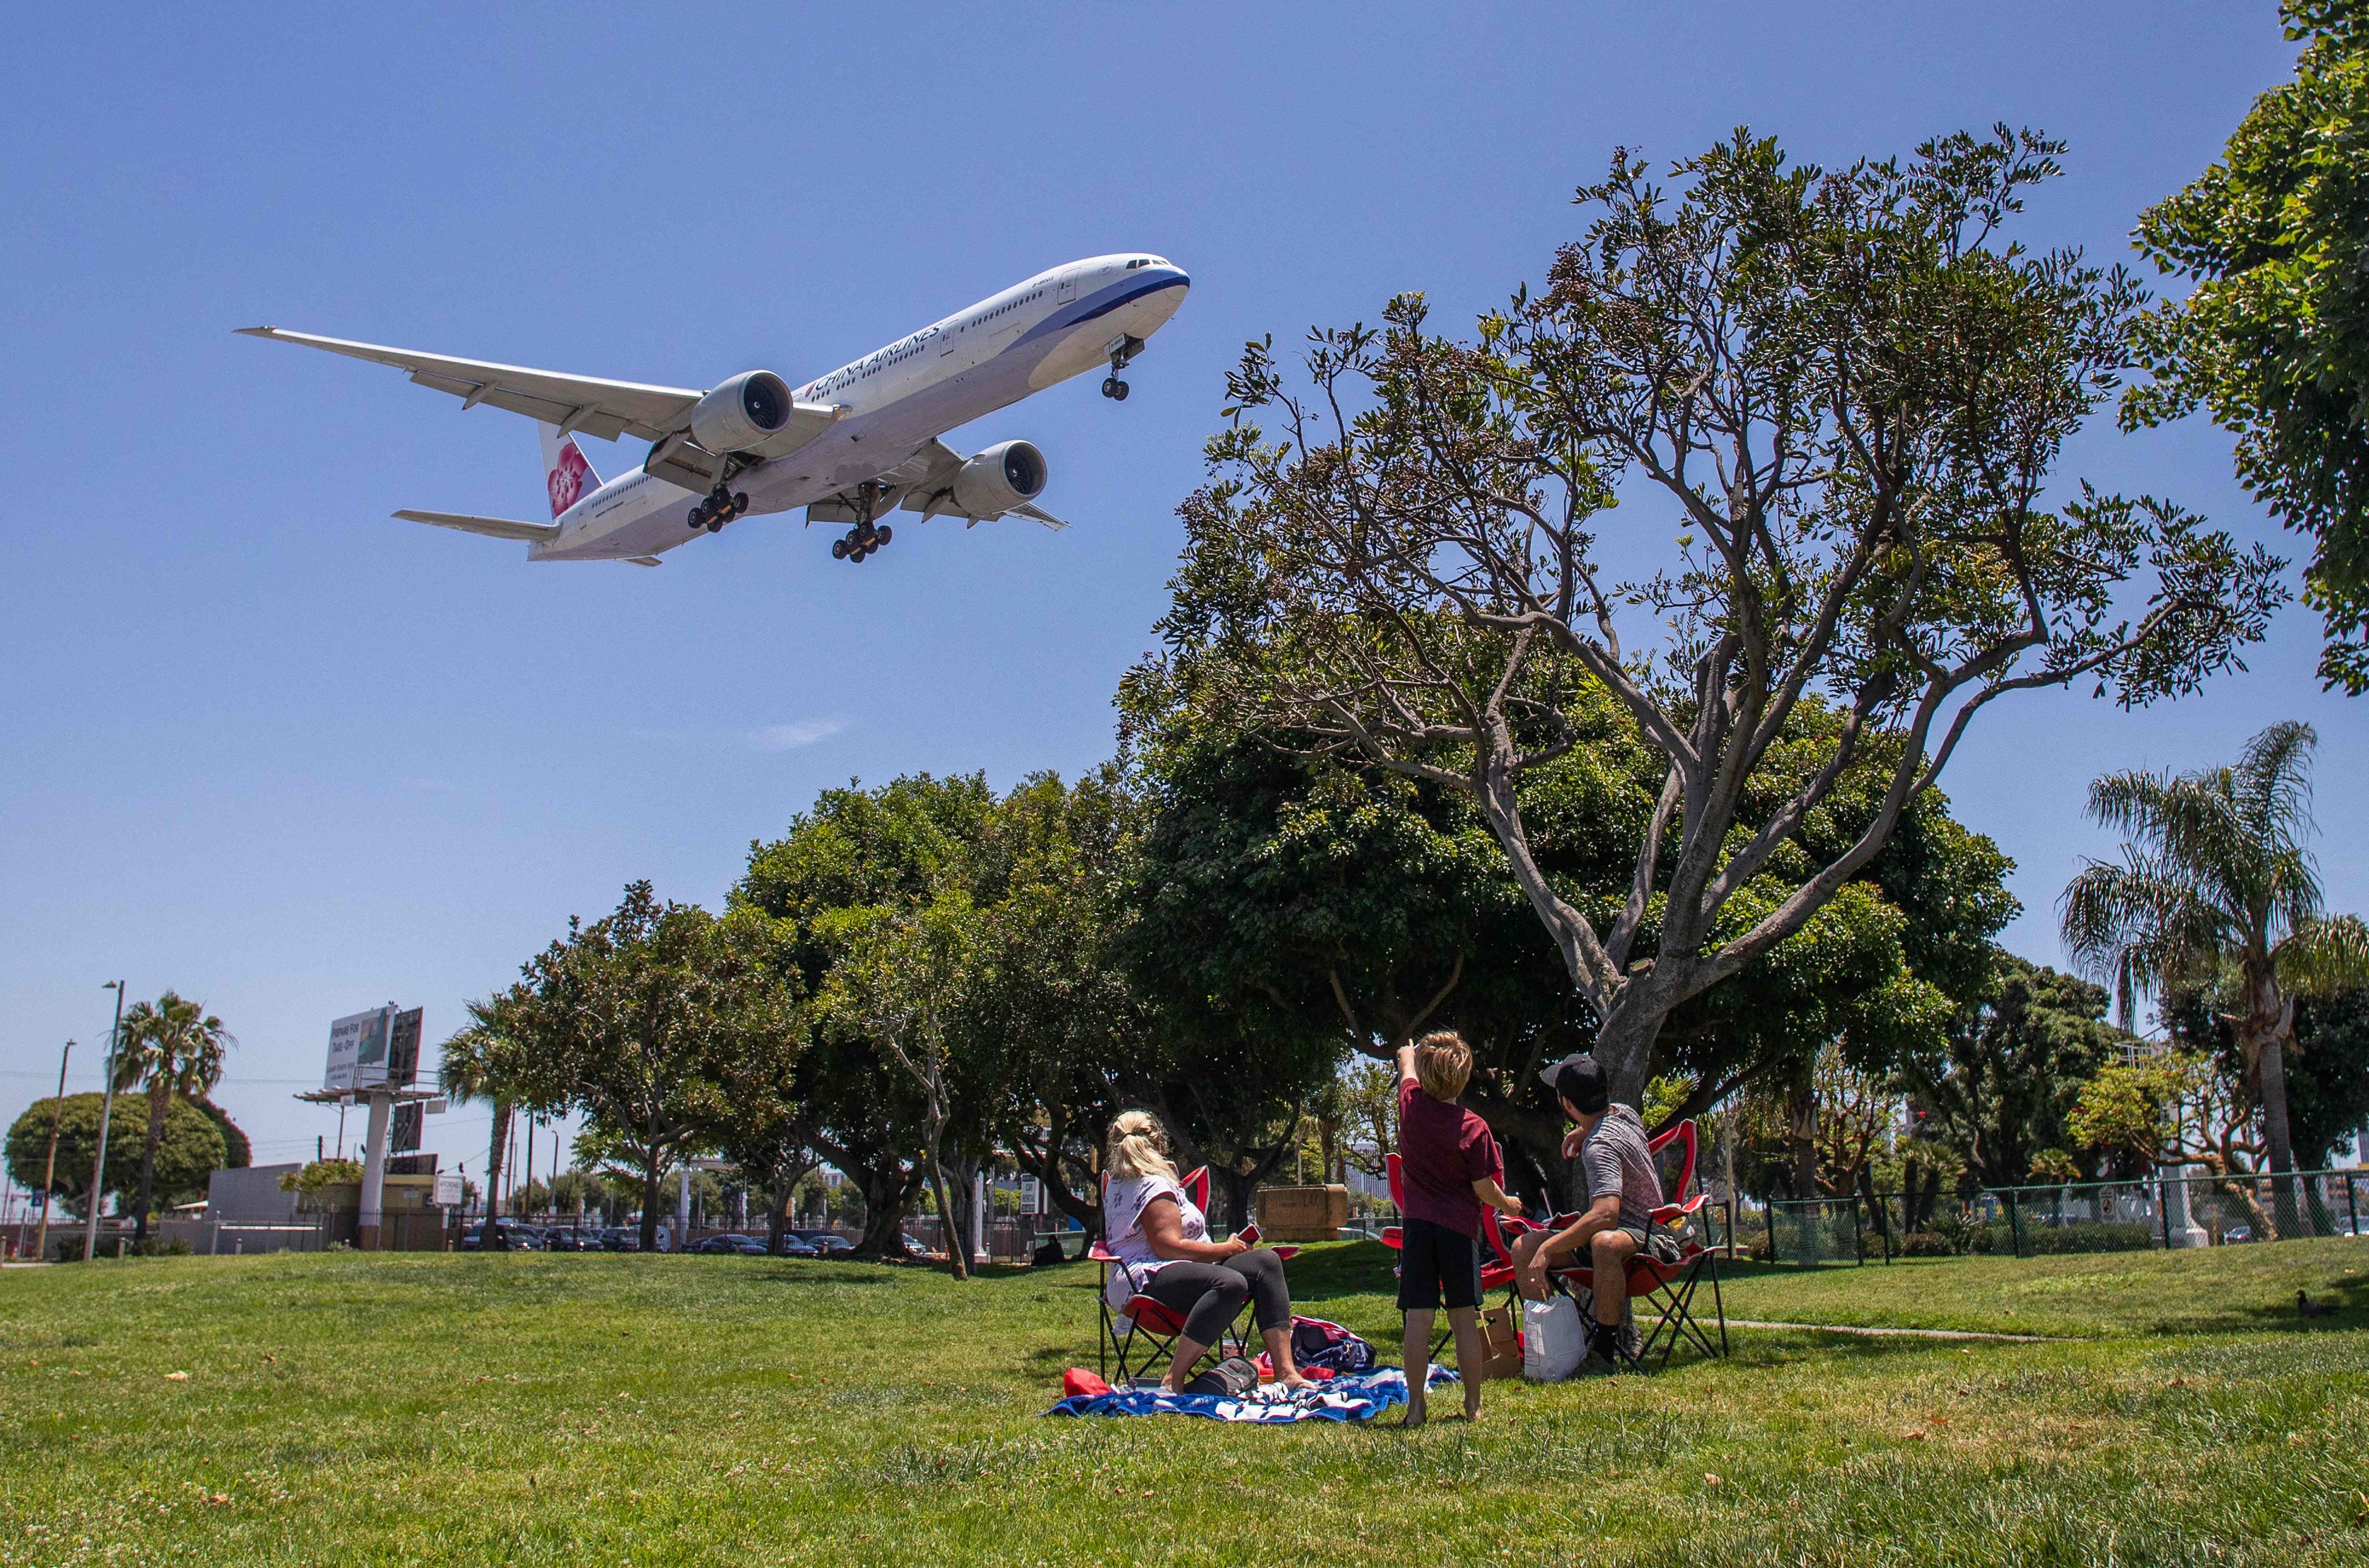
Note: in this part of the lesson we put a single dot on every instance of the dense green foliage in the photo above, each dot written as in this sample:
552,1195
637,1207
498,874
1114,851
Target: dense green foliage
2015,1062
2273,340
1842,391
1322,909
190,1150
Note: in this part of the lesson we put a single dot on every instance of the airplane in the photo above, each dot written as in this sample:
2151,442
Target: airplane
850,447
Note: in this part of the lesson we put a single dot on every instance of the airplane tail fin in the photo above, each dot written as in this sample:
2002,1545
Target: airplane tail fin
564,471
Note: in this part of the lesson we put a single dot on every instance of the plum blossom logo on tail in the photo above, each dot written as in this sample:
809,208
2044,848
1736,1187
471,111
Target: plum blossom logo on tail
568,477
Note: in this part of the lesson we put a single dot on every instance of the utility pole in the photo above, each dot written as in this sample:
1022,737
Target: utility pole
50,1172
106,1115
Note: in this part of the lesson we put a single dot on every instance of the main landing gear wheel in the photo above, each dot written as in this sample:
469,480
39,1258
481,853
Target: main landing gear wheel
719,509
863,540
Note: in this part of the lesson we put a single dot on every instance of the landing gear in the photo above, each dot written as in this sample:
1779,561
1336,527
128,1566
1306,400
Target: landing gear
862,542
1122,349
720,508
866,536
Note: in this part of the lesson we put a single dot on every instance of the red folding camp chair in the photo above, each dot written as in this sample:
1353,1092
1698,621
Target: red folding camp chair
1666,1286
1158,1323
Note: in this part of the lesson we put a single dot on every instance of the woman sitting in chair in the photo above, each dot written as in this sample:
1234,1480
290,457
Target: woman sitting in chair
1162,1241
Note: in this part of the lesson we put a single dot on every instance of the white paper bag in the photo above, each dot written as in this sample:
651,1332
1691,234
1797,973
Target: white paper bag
1554,1339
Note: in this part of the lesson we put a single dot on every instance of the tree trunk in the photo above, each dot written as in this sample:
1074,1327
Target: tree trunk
957,1258
885,1186
652,1195
1625,1043
158,1092
490,1239
2270,1067
962,1181
1805,1141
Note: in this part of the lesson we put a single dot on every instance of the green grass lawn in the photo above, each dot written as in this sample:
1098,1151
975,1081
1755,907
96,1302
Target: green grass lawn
528,1409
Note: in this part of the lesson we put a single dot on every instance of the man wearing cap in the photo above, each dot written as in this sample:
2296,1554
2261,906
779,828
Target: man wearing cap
1623,1190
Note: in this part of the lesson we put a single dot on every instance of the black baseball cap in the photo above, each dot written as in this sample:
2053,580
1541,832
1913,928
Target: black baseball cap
1579,1078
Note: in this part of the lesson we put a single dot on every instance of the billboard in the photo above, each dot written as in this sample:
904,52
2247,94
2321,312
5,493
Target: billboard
403,1136
403,1052
350,1038
380,1047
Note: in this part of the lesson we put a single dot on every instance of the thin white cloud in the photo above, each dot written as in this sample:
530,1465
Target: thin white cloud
790,736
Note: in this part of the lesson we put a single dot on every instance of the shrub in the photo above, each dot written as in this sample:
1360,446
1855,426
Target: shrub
1925,1244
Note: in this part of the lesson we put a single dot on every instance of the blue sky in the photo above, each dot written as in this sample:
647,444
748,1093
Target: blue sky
267,746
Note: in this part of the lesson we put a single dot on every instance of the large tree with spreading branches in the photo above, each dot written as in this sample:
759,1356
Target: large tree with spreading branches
1844,393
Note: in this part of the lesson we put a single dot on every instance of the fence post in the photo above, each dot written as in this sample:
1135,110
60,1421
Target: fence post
2163,1205
1769,1216
2352,1206
1859,1235
2014,1222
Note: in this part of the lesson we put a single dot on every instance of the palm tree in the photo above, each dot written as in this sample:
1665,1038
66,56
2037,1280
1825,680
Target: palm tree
484,1062
2217,884
175,1046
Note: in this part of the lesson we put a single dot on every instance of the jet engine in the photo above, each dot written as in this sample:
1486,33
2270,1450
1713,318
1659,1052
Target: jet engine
1000,478
741,413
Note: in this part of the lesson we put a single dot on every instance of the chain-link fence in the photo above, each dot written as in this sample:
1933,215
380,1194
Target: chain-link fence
2164,1211
2183,1211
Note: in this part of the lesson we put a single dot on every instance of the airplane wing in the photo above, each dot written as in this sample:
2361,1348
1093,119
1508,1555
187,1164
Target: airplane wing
494,527
603,408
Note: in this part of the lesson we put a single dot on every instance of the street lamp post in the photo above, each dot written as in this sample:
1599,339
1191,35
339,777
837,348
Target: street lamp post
50,1173
106,1113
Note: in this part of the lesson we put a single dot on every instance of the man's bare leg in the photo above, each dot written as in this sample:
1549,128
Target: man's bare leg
1532,1286
1466,1322
1416,1358
1612,1251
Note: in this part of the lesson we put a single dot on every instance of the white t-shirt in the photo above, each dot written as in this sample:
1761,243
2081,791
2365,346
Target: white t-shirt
1124,1202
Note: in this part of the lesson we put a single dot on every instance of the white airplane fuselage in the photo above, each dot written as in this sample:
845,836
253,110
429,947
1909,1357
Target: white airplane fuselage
1059,324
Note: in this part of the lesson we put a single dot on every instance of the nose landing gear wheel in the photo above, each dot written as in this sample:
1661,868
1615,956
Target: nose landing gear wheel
1114,389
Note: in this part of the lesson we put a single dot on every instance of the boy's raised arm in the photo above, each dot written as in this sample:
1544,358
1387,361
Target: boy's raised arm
1487,1190
1406,1064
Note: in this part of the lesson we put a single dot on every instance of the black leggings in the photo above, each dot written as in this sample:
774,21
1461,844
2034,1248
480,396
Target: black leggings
1210,1294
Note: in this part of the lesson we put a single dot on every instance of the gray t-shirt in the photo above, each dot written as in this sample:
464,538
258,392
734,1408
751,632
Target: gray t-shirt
1614,1158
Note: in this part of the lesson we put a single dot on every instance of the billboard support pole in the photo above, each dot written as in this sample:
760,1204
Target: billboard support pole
366,1226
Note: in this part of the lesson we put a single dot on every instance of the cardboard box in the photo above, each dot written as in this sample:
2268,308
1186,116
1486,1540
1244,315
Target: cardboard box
1301,1214
1501,1345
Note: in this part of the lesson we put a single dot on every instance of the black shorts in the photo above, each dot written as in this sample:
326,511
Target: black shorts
1437,1267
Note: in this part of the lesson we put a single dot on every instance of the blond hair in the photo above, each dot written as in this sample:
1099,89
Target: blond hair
1138,1146
1443,1064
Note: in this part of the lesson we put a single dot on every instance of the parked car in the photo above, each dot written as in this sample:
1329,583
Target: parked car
829,1243
570,1239
622,1239
919,1252
514,1235
2237,1234
746,1246
794,1246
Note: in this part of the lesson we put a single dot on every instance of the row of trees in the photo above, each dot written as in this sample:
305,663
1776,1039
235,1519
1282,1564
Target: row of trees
172,1052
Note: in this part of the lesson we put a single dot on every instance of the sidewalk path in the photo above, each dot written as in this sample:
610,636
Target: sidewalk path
1904,1333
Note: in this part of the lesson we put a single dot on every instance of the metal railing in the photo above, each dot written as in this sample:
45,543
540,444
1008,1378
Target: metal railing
2149,1214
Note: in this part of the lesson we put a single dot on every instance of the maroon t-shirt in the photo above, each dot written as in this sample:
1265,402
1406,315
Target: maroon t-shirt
1443,1149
